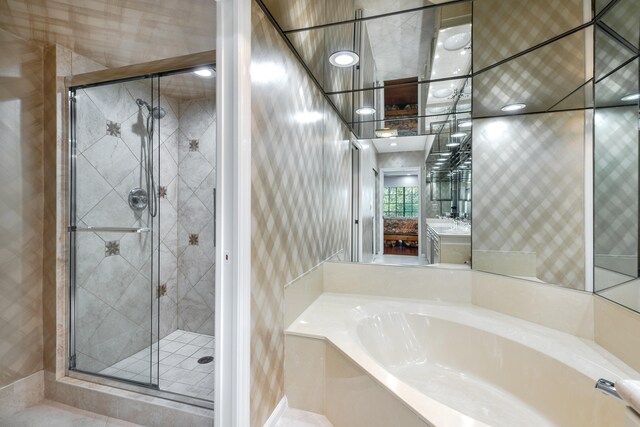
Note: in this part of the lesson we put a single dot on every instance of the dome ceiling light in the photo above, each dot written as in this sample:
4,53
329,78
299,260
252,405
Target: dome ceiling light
344,58
513,107
457,41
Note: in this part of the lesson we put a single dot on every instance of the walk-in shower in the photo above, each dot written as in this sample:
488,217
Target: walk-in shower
141,232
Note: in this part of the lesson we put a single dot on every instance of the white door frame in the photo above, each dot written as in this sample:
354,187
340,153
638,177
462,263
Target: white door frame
233,199
360,198
417,170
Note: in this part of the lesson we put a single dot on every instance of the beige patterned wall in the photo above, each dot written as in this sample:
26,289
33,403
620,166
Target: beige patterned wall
293,133
528,192
540,78
21,208
616,190
499,31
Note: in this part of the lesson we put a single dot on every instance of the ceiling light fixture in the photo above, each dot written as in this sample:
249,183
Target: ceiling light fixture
445,154
457,41
459,135
513,107
344,58
631,97
442,93
453,144
365,111
204,72
386,133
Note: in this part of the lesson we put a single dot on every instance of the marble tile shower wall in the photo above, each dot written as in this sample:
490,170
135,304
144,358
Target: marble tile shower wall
195,226
113,271
113,308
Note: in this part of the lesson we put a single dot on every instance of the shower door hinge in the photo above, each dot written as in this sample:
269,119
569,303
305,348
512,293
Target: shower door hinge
72,361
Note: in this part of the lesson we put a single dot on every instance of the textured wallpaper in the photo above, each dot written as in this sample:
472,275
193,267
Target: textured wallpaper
528,192
293,134
616,190
21,209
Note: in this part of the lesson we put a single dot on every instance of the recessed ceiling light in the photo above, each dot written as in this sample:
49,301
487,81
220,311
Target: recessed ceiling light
457,41
453,144
393,144
513,107
459,135
466,124
344,58
631,97
386,133
442,93
365,111
204,72
437,110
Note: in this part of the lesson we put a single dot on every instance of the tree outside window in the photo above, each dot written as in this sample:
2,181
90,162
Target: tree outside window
400,202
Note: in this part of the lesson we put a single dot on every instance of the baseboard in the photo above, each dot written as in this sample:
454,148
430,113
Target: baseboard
277,413
21,394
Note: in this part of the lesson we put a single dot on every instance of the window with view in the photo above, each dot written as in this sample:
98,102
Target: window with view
400,202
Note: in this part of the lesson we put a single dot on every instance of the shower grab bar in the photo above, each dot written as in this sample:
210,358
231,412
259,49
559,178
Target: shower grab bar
608,387
92,229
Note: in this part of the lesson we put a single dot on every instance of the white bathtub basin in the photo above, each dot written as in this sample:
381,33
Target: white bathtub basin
460,365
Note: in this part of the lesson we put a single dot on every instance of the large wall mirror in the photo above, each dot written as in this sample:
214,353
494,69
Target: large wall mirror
472,127
616,155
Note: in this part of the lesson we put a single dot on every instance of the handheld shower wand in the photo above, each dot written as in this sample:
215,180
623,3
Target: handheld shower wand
154,113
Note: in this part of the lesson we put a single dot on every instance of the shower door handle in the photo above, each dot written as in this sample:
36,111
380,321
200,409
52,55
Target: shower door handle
214,217
92,229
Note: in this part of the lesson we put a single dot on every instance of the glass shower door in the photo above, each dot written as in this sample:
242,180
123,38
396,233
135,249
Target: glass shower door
113,226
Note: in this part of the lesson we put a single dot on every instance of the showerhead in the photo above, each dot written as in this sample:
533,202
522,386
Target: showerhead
156,112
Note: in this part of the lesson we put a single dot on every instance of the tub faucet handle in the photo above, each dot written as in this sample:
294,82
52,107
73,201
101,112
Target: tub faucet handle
607,387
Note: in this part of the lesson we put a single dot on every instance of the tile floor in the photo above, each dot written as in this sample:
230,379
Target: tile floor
178,364
53,414
297,418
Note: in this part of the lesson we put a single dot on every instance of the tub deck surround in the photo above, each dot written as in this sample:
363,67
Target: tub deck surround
367,330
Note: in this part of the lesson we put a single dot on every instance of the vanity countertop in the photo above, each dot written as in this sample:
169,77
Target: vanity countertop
446,228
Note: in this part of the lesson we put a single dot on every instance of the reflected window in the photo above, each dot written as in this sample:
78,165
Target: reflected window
400,202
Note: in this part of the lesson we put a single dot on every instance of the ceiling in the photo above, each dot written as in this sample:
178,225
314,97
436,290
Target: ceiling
115,33
403,143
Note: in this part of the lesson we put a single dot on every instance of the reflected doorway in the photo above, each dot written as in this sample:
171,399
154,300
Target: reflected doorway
400,211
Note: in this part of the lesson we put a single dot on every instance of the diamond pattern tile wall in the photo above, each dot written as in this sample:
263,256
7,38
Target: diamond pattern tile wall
197,179
528,191
291,229
113,269
21,209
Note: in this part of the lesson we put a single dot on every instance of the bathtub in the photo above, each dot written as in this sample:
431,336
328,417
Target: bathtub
461,365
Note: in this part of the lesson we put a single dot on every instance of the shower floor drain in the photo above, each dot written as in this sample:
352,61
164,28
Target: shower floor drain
206,359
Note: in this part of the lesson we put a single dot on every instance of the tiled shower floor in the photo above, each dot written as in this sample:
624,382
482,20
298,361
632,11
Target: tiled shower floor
179,369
